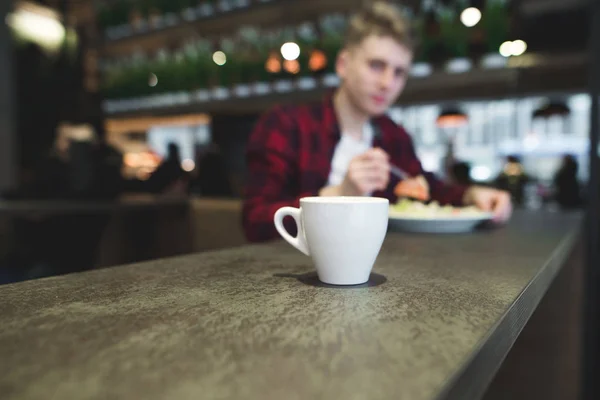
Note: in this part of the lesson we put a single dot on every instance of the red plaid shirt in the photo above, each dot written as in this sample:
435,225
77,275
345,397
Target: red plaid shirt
289,157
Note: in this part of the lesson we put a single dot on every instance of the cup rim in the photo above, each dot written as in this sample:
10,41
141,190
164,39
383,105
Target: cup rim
344,200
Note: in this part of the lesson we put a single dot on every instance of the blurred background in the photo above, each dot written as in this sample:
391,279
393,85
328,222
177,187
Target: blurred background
123,123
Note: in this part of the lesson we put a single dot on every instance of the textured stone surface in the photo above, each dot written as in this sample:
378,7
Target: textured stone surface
237,324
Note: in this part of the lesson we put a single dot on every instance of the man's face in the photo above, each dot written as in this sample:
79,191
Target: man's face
374,73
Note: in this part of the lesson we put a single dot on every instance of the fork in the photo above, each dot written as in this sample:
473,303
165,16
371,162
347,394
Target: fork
399,172
394,169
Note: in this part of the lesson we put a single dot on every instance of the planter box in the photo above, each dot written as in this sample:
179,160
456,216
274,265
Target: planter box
331,80
225,5
283,86
205,10
421,69
220,93
157,21
306,83
242,91
493,60
202,95
241,3
459,65
171,19
189,14
261,88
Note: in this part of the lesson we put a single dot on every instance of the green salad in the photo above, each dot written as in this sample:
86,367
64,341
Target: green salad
412,208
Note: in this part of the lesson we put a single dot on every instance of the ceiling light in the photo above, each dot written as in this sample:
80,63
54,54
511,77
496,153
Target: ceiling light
188,165
152,80
38,26
290,51
518,47
470,16
451,118
219,58
506,49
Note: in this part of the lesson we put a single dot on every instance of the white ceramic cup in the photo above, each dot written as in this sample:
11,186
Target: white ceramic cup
343,235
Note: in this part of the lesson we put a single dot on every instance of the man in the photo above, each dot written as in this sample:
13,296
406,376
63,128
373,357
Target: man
345,145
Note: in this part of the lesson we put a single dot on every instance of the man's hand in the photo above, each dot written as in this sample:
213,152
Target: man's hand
496,201
367,173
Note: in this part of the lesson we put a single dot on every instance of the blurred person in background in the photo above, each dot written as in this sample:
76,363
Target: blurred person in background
169,177
460,173
67,171
108,165
567,189
513,179
211,176
345,144
79,167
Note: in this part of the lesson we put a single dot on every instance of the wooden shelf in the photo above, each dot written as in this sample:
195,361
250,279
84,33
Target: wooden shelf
526,75
271,14
534,74
529,8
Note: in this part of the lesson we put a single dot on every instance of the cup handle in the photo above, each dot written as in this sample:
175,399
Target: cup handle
299,241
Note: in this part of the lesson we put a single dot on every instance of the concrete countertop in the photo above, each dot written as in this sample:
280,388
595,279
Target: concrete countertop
66,206
248,323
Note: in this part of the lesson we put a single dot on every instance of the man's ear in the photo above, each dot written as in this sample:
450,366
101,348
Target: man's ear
341,63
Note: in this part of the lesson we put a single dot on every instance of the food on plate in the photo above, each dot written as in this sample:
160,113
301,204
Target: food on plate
417,209
416,188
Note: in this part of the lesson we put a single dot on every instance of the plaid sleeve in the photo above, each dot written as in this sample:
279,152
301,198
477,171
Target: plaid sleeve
445,193
439,190
271,158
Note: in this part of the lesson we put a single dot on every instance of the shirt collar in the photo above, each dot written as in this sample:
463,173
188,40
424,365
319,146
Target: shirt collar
331,124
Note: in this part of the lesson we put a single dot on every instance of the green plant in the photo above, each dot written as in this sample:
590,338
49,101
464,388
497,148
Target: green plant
147,7
331,45
104,18
257,63
170,6
119,13
495,22
454,34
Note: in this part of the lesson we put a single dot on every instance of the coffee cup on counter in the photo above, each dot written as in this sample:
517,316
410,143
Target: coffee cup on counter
342,235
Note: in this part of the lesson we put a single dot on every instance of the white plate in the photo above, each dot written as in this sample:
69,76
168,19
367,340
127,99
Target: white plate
437,224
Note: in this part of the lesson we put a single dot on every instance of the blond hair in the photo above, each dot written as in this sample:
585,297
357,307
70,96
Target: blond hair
379,18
